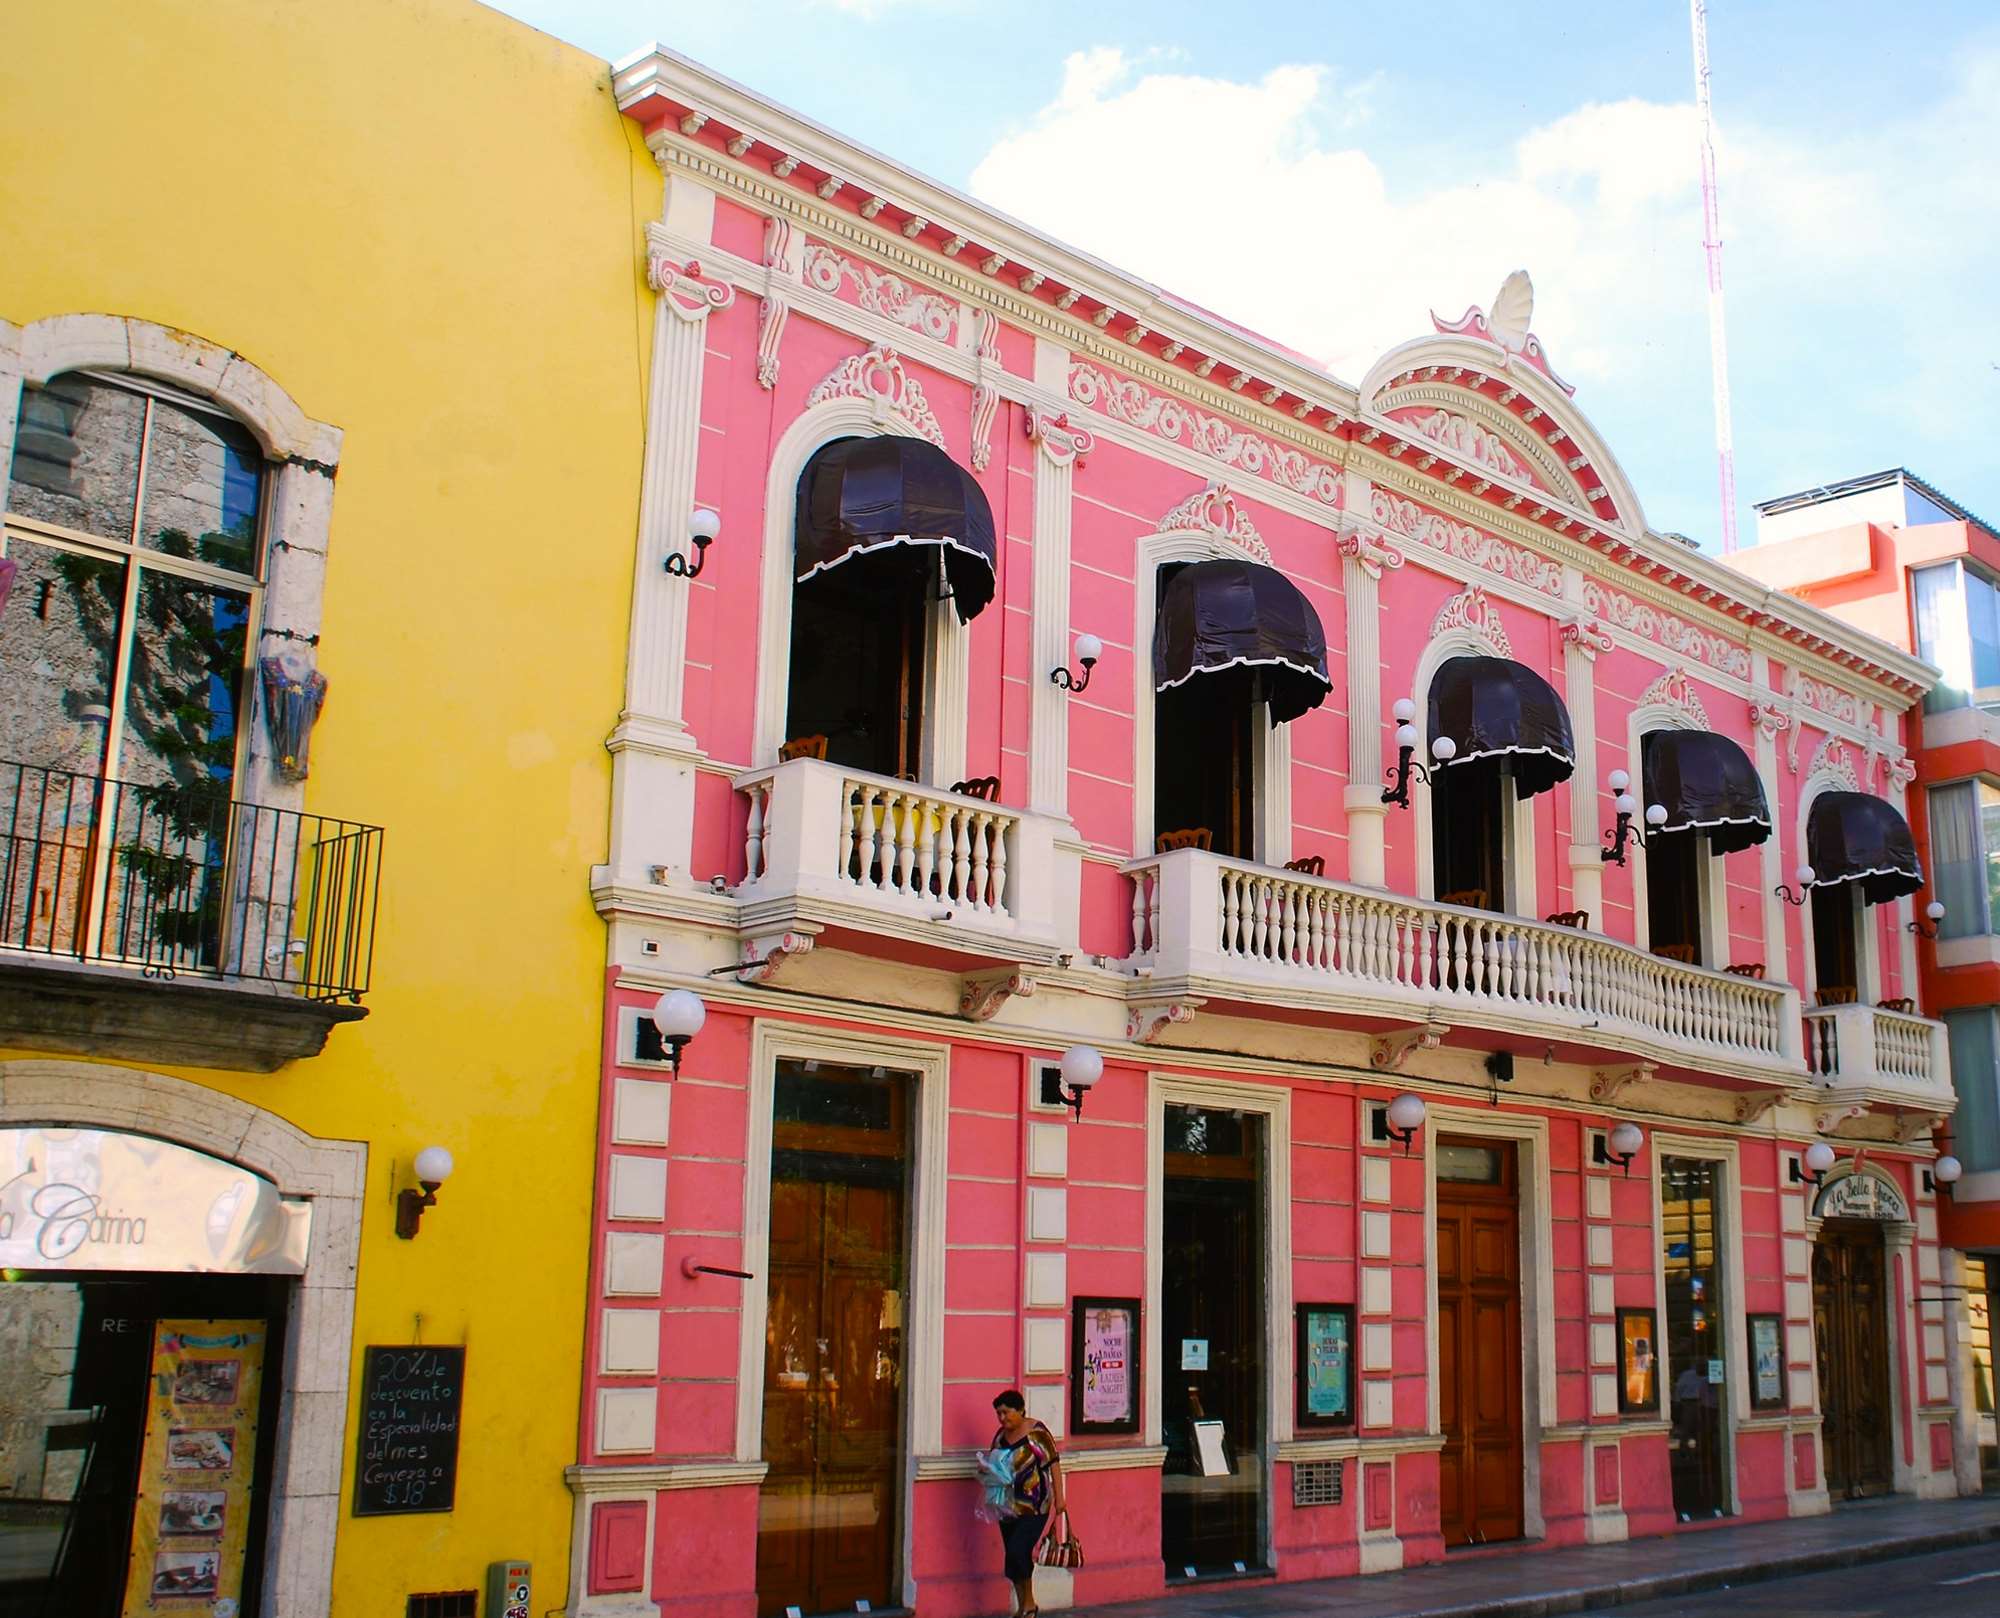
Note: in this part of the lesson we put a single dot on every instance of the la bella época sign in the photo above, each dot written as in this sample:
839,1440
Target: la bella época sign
95,1199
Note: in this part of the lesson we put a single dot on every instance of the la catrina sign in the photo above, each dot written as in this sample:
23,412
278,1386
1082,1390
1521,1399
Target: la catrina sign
191,1520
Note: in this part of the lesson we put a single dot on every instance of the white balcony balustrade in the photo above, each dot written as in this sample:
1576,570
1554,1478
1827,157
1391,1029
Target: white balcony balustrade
840,847
1228,926
1876,1054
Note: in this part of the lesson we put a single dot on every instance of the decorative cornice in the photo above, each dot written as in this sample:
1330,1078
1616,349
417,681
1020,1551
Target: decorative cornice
1368,553
1127,401
1479,445
1587,636
1674,633
1468,544
1473,612
881,292
648,1477
689,293
1059,438
877,375
1213,510
1831,762
1769,717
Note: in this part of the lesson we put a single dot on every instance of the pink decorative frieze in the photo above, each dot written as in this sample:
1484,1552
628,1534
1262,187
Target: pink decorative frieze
1588,636
881,292
1468,544
1213,510
1675,690
1057,436
1471,611
877,375
1465,437
1806,692
1155,413
688,292
985,389
1370,554
1676,634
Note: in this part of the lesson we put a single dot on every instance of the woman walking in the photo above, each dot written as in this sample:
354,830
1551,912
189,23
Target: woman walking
1033,1491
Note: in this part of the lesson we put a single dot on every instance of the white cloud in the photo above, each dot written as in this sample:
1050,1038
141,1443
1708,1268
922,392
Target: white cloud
1854,260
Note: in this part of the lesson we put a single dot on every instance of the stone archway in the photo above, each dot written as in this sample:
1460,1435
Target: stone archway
310,1441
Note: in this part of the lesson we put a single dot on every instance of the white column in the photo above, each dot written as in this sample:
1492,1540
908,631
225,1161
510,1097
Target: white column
654,756
1362,559
1894,788
1582,641
1765,722
1060,443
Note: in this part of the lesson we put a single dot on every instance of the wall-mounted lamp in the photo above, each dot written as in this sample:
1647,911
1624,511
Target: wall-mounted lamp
1625,806
433,1168
1818,1159
1621,1146
1942,1175
678,1015
703,526
1400,1120
1804,876
1933,913
1081,1067
1088,650
695,1270
1443,751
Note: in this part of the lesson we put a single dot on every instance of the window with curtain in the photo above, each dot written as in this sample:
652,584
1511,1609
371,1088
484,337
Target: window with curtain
1965,857
1975,1074
1942,634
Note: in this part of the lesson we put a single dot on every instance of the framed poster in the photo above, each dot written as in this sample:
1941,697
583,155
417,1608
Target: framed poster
1104,1365
1767,1362
1325,1365
1638,1362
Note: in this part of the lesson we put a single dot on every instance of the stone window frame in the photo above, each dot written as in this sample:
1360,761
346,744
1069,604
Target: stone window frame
310,1443
304,456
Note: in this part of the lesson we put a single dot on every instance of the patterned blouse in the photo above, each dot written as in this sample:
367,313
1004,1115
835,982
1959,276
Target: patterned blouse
1035,1453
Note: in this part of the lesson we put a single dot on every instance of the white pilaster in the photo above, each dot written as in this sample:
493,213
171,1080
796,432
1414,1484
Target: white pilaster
1767,721
1582,641
1362,559
1060,444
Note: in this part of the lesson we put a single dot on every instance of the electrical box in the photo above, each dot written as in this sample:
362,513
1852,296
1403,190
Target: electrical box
510,1589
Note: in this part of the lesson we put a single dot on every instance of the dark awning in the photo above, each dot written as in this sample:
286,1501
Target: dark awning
1233,614
862,495
1705,782
1493,707
1855,837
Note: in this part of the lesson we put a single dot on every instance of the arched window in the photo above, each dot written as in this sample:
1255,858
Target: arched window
134,523
1230,636
886,527
1511,739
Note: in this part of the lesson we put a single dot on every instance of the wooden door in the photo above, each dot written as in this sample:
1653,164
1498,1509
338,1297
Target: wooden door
833,1360
1850,1330
1479,1342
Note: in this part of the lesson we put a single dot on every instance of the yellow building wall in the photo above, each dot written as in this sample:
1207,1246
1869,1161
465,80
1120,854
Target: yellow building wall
422,220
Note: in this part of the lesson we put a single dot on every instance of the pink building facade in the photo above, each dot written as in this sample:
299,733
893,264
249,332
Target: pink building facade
1596,1291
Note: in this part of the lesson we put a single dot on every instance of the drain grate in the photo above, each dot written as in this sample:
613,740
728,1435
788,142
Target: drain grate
443,1604
1315,1483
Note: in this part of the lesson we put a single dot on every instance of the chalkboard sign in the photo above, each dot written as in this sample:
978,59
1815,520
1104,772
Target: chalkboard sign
408,1453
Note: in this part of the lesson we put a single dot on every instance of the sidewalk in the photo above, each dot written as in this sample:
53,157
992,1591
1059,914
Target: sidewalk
1584,1578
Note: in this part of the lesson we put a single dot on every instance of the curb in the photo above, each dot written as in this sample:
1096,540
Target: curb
1583,1598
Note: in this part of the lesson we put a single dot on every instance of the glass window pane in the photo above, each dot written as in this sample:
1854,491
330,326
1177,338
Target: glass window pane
1989,832
202,480
58,656
76,456
1475,1165
1958,872
186,684
1941,634
1975,1126
1982,614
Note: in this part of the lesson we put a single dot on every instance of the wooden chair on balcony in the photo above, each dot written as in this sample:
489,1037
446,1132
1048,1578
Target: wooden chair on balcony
1901,1002
1471,898
979,786
1838,994
802,747
1188,837
1684,953
1308,865
1747,969
1579,919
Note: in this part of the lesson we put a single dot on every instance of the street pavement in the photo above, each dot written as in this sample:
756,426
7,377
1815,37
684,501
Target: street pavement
1951,1584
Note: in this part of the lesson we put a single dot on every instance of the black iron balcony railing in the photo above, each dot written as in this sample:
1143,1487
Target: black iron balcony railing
186,880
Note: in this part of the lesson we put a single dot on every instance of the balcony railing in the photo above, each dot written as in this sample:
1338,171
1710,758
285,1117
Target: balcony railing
1894,1055
826,843
1197,915
180,880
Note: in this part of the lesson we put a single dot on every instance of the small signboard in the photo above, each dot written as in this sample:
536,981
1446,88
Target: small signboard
1104,1355
408,1446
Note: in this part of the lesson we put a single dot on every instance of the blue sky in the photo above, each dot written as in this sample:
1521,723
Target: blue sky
1328,173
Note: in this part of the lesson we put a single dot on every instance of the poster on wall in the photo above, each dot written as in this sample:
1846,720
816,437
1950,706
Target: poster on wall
191,1519
1326,1365
1104,1357
1638,1362
1767,1362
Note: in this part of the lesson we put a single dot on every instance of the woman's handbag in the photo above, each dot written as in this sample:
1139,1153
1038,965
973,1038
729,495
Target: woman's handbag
1060,1547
